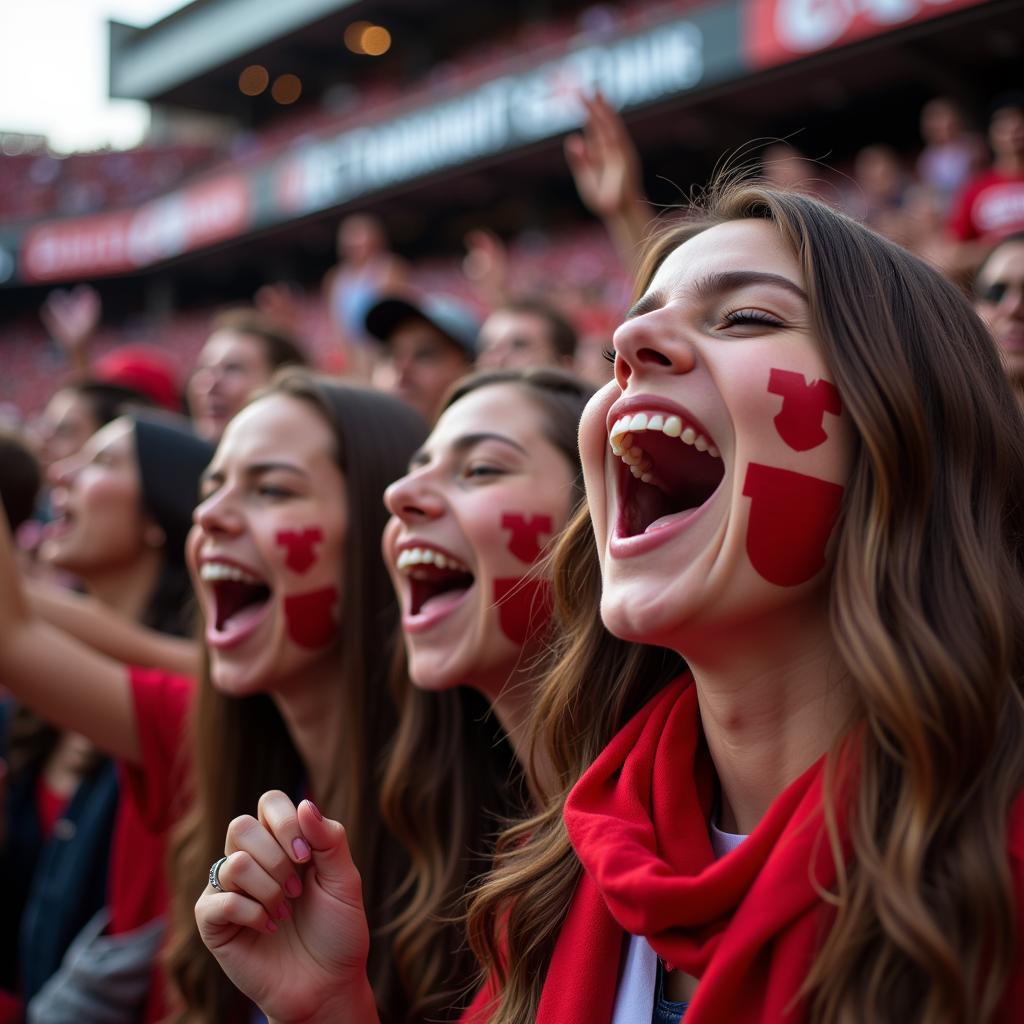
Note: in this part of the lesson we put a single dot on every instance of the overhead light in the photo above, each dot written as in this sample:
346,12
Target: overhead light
286,89
366,38
253,80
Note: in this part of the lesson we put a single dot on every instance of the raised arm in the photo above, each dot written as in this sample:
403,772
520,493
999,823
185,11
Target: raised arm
128,642
61,679
605,166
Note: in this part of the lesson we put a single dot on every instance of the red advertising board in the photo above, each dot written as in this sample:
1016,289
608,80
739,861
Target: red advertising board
113,243
778,31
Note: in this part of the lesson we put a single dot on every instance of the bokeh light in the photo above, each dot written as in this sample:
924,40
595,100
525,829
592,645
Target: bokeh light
354,35
376,40
253,80
286,89
366,38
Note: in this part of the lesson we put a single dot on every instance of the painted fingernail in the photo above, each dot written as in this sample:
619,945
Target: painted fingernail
271,927
283,912
300,848
293,887
316,810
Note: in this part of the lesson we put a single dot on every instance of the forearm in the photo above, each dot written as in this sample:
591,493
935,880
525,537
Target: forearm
111,634
629,228
354,1007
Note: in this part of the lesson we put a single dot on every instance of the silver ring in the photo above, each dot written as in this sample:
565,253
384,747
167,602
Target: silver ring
215,874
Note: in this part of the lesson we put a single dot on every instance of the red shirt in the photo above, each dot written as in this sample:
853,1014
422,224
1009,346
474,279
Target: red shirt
991,206
152,799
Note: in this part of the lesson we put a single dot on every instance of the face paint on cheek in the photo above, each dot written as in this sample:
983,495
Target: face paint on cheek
804,405
310,617
524,541
300,547
524,607
791,520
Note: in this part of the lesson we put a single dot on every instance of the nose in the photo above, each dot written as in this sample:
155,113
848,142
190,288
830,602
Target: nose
204,381
62,472
219,514
650,346
414,498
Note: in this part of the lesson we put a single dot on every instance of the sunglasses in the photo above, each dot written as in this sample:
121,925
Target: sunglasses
995,291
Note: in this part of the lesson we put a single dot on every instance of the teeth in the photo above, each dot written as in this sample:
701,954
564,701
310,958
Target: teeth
428,556
622,441
221,571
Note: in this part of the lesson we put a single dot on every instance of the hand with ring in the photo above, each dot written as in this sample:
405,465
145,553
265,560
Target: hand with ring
283,915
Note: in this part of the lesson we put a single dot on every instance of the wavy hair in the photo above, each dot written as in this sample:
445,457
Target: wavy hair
452,780
240,747
926,603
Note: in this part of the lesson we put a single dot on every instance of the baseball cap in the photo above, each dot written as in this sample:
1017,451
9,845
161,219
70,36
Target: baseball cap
449,316
141,368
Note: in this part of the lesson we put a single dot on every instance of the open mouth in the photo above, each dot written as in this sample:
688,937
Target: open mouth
668,467
239,597
436,579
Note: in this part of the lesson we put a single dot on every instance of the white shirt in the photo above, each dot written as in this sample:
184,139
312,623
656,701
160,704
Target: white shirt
634,1001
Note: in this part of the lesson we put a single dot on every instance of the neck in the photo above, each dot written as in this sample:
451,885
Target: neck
769,709
127,589
512,706
309,708
1009,163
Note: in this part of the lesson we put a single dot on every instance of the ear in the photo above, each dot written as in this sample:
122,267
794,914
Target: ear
153,535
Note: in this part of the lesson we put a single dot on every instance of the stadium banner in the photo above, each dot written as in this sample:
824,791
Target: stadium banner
210,211
512,111
780,31
718,42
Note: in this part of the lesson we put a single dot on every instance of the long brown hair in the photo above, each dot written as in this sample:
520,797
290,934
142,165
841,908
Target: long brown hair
927,611
240,746
452,780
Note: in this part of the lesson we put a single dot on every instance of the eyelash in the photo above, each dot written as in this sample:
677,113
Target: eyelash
483,471
751,316
608,354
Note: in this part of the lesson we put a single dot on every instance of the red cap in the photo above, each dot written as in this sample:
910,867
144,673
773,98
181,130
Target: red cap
144,369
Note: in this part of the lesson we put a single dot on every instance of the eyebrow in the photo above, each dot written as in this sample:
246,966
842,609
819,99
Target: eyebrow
718,284
467,441
255,469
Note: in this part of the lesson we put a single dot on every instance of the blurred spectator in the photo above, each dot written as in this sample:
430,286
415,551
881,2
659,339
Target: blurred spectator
527,332
20,479
783,166
144,369
991,205
428,345
951,154
999,299
241,354
881,195
76,412
366,270
71,316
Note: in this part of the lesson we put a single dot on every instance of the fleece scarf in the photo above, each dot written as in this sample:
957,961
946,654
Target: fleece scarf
748,926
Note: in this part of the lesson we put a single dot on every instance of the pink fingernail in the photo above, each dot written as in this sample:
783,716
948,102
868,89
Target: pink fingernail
271,927
300,848
283,912
293,887
316,810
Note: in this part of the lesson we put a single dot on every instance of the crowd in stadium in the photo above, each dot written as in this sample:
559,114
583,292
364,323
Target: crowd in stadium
469,654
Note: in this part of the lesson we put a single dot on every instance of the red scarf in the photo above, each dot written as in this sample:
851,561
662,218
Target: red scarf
748,925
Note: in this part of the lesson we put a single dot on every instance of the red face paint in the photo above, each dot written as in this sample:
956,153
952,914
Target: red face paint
791,520
310,617
300,545
804,405
524,541
524,607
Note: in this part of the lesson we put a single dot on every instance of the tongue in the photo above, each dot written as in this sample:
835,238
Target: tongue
447,598
245,616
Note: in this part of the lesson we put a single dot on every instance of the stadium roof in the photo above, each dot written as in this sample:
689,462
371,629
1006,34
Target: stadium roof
148,63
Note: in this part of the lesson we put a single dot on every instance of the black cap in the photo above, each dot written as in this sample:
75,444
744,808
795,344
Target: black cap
171,460
449,316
